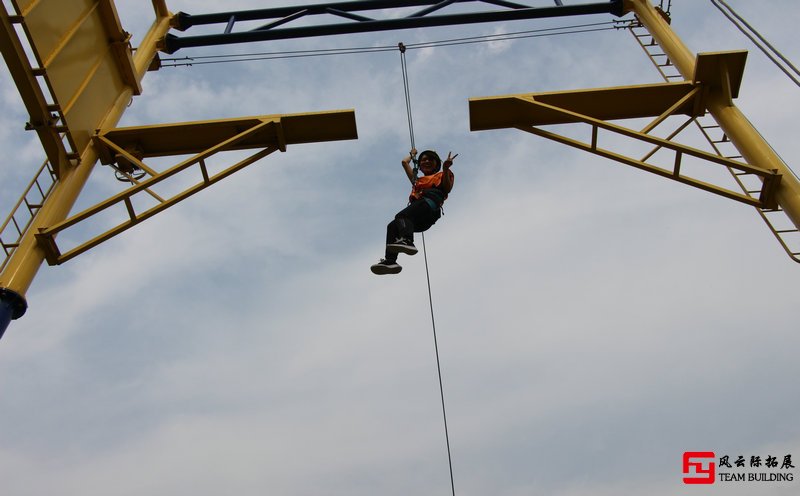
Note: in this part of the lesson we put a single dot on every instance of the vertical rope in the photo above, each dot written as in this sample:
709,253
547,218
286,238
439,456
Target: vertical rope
407,91
427,271
438,368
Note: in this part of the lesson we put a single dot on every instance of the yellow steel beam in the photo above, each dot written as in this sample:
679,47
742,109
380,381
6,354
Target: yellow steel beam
160,8
482,116
94,74
721,72
120,44
746,138
625,102
201,139
193,137
674,174
672,110
42,117
46,237
28,257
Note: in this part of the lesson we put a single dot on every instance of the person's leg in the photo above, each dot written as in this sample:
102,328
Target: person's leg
426,218
417,217
406,220
388,265
414,218
392,235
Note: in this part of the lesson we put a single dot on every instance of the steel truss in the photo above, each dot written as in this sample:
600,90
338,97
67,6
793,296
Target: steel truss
359,23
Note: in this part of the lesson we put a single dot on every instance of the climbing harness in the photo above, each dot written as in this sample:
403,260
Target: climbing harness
407,91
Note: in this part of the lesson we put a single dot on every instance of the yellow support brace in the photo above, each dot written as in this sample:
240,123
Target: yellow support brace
593,107
204,139
755,150
90,94
625,102
82,53
712,82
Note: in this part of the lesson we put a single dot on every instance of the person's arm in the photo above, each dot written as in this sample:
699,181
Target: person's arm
408,167
447,177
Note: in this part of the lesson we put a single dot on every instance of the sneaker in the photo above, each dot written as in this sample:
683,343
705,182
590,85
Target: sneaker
385,267
402,245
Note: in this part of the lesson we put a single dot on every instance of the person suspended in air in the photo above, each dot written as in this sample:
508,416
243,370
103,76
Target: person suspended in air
428,194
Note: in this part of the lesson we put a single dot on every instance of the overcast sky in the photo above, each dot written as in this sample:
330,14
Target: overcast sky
594,321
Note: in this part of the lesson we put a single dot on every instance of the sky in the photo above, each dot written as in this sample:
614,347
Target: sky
594,322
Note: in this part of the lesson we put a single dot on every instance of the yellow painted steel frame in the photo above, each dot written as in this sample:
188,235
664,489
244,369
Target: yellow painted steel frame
46,236
32,200
770,179
747,140
774,219
269,132
713,82
94,92
45,117
87,64
526,112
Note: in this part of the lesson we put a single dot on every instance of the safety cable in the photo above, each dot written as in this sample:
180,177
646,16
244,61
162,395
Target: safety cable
438,367
536,33
736,19
407,91
249,57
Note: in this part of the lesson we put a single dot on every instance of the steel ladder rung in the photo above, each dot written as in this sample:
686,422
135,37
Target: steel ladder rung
779,233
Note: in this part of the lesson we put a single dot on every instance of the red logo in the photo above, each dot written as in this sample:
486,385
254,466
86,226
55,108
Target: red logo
698,467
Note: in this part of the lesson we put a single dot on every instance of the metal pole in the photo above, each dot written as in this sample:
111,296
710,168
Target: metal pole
12,306
746,138
26,260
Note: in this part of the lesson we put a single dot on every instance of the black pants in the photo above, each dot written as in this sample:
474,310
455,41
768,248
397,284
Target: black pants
418,216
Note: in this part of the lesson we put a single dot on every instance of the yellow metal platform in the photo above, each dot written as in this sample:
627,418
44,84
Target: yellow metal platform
189,138
200,140
625,102
718,74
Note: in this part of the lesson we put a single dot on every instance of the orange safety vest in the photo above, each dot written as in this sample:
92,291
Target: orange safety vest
427,182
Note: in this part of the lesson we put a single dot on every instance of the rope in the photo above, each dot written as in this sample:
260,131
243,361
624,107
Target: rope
733,17
407,91
438,368
427,271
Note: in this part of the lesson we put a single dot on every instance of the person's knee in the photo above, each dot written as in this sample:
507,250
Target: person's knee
404,224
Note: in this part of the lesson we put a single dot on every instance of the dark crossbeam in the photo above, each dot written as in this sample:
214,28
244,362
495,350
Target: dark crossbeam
360,23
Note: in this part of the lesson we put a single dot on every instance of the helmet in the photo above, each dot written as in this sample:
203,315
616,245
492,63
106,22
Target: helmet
434,156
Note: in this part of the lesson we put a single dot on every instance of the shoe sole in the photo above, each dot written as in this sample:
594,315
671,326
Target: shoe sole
408,250
382,270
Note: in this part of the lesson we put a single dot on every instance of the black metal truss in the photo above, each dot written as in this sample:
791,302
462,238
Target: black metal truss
359,23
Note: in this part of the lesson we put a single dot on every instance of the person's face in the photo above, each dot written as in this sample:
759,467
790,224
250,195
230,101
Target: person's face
427,164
